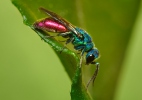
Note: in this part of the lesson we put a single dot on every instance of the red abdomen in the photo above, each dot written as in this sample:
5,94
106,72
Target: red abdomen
51,25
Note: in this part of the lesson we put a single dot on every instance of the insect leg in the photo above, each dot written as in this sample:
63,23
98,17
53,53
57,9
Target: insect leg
81,56
81,48
94,75
65,34
59,34
67,41
49,36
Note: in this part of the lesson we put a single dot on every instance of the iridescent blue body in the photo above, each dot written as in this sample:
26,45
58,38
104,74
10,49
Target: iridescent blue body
84,44
80,43
80,39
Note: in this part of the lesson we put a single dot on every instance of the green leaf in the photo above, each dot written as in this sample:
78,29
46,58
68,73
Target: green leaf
110,24
77,92
30,13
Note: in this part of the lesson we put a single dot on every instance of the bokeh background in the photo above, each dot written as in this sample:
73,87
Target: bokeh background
30,70
27,64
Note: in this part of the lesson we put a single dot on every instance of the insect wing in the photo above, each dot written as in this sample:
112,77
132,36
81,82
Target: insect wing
60,20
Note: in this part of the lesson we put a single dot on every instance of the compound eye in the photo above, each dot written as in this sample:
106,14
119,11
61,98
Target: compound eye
90,59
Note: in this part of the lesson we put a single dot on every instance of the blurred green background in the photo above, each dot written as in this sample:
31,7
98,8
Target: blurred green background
27,64
30,70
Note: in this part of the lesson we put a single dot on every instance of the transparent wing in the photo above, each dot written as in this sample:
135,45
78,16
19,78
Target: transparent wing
60,20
